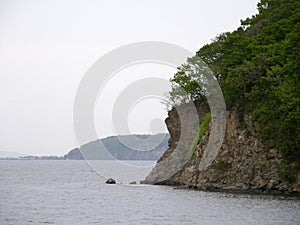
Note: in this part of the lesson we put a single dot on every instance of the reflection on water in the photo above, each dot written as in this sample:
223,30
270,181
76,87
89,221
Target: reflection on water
70,192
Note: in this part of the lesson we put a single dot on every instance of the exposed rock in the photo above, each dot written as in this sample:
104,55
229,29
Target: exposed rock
180,151
110,181
133,182
243,164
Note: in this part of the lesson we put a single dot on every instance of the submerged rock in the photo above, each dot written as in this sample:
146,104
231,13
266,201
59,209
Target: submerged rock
110,181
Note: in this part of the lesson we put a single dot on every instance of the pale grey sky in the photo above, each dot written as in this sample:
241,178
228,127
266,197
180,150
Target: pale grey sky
47,46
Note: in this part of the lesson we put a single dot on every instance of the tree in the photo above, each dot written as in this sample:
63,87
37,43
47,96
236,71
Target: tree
258,68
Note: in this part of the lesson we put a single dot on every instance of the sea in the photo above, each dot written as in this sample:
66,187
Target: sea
74,192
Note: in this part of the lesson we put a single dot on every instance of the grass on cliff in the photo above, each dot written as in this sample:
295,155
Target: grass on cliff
204,125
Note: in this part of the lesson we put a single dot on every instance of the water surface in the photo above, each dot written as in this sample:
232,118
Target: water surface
70,192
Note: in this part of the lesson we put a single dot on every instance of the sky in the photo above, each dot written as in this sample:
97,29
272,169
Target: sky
47,46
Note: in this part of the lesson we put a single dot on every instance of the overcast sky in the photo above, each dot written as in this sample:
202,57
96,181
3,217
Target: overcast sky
47,46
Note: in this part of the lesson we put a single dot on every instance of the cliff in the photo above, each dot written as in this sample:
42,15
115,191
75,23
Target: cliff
243,164
257,68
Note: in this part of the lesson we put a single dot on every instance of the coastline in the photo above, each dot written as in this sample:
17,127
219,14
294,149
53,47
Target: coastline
243,165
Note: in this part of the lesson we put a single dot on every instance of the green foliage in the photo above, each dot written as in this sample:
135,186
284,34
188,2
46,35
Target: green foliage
258,68
190,82
204,126
289,172
193,146
222,166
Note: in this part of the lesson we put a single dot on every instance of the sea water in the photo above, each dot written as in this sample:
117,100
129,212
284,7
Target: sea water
72,192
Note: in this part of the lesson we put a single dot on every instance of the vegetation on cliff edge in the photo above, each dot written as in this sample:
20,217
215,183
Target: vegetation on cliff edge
258,68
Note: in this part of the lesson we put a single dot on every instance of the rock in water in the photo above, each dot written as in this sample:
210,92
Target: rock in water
110,181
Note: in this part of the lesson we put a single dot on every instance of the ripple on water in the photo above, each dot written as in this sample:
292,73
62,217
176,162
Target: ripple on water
69,192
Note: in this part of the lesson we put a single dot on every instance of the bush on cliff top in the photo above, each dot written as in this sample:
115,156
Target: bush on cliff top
257,66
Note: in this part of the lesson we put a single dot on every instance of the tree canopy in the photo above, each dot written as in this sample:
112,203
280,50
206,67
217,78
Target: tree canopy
258,68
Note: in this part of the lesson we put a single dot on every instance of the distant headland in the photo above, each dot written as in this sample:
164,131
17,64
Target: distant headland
122,147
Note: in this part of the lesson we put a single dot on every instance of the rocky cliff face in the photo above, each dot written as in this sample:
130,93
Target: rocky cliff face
243,164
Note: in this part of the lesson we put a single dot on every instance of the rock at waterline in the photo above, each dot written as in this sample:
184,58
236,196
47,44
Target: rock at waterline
133,182
110,181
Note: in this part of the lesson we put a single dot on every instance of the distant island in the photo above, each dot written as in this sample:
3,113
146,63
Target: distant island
122,147
31,157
